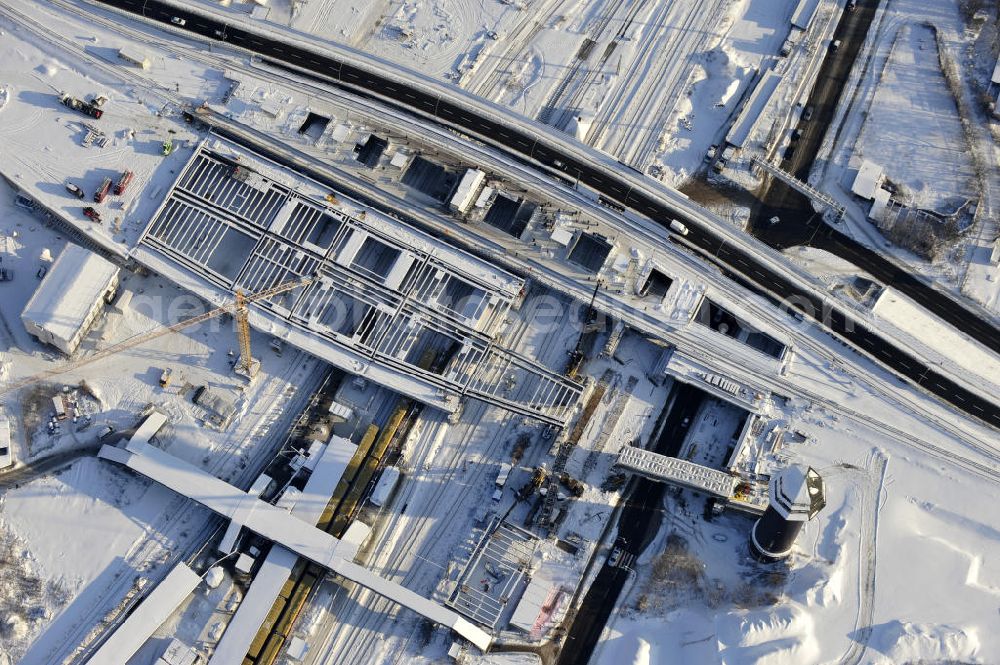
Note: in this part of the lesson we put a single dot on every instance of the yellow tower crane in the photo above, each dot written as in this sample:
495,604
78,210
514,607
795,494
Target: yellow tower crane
246,365
242,329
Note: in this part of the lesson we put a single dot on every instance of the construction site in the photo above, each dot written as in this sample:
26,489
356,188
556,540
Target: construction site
437,379
297,368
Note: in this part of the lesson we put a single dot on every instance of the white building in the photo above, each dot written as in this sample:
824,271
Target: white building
868,181
6,453
467,190
70,298
133,57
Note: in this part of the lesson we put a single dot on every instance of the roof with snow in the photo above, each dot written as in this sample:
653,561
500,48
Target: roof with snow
64,299
530,611
383,298
140,625
797,493
868,180
804,13
880,204
273,523
752,110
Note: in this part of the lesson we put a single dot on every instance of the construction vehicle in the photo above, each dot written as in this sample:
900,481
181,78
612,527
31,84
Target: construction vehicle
81,106
102,191
75,190
123,182
165,377
168,147
577,355
92,214
150,335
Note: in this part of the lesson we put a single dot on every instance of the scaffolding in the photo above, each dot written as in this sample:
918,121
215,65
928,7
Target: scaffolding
385,295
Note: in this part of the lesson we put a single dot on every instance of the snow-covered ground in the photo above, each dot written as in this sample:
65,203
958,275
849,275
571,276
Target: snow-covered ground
111,527
449,465
897,568
914,108
903,115
580,66
136,122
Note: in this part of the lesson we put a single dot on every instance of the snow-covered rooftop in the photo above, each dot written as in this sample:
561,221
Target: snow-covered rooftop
69,290
753,109
868,180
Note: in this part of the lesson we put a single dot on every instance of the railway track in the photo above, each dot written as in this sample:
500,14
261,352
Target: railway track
355,639
555,103
644,230
620,97
514,45
631,125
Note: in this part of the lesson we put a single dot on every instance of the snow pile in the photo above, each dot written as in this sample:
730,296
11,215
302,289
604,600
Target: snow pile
713,89
642,654
783,635
903,642
50,67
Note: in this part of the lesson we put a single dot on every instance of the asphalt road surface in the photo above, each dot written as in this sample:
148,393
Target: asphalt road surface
638,523
46,465
533,149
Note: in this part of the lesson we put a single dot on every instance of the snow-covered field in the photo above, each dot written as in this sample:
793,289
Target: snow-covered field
914,112
897,568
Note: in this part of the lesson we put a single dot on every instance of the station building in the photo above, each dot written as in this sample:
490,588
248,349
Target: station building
70,298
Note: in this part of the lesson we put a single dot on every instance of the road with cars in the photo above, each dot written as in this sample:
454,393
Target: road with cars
536,148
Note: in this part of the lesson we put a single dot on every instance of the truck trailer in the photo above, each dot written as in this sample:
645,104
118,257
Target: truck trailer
81,106
102,191
123,182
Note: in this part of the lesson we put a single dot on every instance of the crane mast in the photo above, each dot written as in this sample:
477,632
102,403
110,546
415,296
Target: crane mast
246,365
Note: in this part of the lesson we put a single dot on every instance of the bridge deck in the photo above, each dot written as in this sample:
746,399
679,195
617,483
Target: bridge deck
677,471
281,527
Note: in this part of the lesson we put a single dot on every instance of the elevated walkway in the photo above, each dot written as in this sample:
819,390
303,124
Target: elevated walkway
281,527
279,562
803,188
750,497
677,472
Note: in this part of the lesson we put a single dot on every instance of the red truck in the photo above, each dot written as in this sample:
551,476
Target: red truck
123,182
102,191
82,107
93,214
